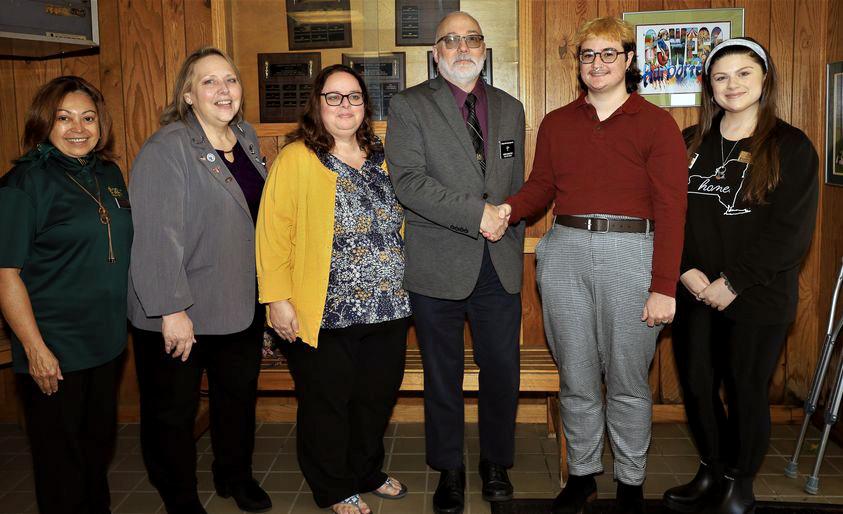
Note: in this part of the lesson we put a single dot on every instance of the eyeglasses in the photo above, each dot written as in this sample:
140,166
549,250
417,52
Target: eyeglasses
608,56
452,41
335,99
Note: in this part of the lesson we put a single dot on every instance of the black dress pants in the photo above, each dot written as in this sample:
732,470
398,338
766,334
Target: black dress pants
494,316
71,435
169,398
346,389
710,350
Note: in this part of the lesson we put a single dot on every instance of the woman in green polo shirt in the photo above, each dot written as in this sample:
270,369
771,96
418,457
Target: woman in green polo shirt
65,236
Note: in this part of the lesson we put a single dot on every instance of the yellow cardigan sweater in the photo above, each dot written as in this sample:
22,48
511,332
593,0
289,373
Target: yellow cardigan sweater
295,236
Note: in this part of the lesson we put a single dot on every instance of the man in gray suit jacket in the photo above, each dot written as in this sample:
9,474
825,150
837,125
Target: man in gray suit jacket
455,148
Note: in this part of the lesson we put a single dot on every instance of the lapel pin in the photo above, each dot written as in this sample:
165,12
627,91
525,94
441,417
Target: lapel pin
251,148
211,157
215,169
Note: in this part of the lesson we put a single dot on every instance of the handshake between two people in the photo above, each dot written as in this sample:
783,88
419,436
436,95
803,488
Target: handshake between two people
495,221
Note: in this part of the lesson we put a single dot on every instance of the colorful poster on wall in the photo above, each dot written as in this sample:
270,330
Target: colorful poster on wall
672,47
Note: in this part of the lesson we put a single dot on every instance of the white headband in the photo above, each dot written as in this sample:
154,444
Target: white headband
755,47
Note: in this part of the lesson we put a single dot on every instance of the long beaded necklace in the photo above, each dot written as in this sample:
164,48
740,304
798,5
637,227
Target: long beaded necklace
105,217
720,171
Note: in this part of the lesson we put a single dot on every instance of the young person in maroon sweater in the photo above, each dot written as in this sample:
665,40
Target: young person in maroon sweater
607,270
752,200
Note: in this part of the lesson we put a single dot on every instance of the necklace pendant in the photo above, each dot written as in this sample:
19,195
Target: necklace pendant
105,218
720,172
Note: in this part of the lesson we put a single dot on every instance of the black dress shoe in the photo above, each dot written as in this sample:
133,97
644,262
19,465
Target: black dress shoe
630,499
449,497
696,494
496,484
247,494
577,494
735,496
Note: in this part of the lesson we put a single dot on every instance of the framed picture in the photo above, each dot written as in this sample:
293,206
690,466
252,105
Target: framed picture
485,74
834,125
672,47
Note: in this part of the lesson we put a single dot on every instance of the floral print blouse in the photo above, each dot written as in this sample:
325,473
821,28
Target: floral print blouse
367,259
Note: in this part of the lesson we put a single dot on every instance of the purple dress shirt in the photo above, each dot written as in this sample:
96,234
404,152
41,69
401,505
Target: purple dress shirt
481,108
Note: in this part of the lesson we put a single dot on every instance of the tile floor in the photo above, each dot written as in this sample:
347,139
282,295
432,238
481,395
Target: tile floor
671,461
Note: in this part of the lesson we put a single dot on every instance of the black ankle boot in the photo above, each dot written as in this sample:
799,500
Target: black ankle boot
696,494
735,496
577,494
630,499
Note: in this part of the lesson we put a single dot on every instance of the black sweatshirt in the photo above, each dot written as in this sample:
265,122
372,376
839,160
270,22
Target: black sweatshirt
758,247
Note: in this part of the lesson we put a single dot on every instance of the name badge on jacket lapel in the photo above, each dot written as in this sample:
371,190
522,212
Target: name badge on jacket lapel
507,149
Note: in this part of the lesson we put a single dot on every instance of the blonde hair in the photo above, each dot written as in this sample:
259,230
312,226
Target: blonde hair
607,27
613,29
178,107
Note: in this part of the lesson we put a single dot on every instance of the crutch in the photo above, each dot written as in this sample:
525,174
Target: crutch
831,415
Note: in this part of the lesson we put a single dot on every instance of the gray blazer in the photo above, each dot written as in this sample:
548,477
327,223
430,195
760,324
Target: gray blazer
194,244
439,181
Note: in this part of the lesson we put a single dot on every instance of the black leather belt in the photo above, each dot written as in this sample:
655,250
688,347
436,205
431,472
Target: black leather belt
600,224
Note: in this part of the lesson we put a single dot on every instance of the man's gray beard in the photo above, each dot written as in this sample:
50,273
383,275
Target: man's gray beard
460,78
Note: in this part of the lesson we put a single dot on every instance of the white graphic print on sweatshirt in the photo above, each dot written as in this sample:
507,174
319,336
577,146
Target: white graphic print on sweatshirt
724,184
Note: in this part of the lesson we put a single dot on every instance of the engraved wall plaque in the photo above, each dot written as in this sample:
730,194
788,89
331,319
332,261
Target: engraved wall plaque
416,20
385,74
486,74
284,83
318,24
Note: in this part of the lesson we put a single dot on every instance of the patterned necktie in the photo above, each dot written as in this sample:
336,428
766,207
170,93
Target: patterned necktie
473,126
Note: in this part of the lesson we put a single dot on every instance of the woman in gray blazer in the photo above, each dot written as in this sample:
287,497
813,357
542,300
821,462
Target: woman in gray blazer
195,189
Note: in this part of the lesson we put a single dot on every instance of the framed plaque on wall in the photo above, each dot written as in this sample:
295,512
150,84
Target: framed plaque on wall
385,74
416,20
315,24
486,74
284,84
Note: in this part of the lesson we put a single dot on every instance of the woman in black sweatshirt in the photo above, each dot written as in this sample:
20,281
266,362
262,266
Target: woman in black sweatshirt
752,200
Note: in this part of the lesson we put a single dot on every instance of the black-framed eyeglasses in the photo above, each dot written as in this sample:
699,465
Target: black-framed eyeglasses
334,99
452,41
607,55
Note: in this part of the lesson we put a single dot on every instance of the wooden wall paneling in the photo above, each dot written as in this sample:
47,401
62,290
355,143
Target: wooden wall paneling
28,77
782,24
616,8
173,18
111,76
197,24
143,67
563,18
85,66
651,5
756,19
532,321
532,51
9,137
716,4
808,78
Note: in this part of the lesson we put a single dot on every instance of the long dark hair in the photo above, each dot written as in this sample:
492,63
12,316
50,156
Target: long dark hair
178,108
312,131
42,114
765,173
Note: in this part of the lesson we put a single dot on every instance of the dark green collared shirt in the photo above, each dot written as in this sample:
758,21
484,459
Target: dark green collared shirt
51,230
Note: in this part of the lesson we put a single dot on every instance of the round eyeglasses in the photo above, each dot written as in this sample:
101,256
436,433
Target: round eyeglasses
608,55
335,99
452,41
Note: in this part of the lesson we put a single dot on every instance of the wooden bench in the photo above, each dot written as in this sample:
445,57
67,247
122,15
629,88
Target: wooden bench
538,375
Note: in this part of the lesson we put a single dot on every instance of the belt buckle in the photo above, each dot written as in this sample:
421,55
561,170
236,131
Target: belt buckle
604,231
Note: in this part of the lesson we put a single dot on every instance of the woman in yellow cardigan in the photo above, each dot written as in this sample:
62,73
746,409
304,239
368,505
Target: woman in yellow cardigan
330,262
